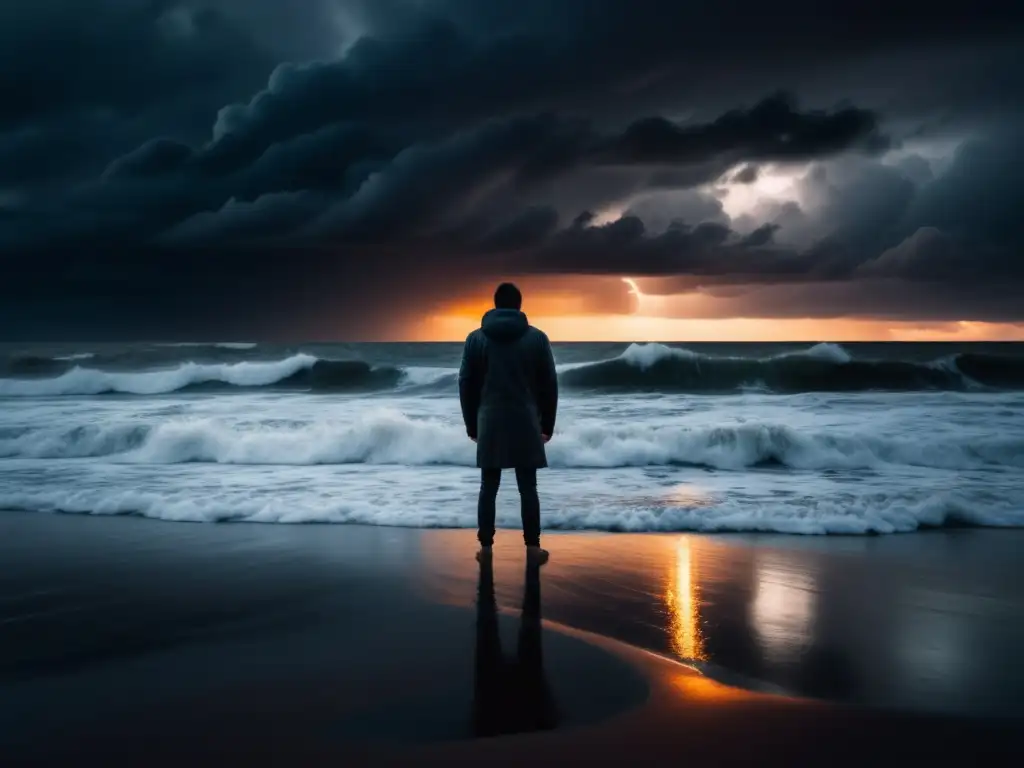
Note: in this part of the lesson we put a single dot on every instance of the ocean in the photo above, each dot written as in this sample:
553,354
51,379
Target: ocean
789,438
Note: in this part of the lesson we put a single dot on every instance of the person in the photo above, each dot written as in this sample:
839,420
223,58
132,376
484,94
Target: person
508,390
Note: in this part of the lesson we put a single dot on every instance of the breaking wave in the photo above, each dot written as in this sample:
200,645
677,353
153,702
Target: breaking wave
641,368
821,368
389,437
301,371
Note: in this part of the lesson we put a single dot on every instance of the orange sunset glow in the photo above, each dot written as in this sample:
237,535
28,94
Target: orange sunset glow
564,316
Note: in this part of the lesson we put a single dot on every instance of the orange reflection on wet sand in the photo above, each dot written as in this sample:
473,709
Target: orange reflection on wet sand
661,571
696,688
682,598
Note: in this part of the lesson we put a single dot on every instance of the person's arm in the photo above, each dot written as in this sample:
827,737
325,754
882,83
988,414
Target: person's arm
547,388
470,384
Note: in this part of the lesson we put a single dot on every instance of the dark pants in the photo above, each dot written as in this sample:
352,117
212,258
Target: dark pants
490,480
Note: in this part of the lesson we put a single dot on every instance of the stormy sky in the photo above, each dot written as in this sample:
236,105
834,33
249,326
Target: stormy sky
339,168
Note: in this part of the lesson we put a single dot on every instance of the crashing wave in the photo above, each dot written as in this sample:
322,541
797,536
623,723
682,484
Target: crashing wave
389,437
300,371
821,368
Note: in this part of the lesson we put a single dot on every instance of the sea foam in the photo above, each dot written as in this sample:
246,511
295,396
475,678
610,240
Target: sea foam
386,436
866,514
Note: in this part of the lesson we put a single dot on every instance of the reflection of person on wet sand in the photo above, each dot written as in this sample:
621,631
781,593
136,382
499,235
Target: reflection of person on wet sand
510,696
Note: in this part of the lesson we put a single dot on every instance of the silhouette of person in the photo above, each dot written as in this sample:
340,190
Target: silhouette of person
510,696
508,391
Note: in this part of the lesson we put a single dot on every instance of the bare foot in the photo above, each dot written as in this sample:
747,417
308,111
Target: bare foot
484,554
536,555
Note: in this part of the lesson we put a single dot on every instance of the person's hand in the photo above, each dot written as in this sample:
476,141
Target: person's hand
545,438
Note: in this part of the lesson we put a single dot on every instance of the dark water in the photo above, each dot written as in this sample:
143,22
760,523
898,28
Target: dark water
69,369
790,438
447,352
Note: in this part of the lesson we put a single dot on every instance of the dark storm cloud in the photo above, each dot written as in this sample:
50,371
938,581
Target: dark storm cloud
213,148
979,196
526,230
59,56
84,80
761,236
157,157
709,249
931,255
774,129
46,150
243,221
928,254
369,189
428,183
881,299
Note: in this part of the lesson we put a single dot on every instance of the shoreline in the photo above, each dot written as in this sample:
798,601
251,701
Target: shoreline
741,536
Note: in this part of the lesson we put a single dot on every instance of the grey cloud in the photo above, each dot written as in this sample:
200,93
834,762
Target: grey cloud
748,174
659,210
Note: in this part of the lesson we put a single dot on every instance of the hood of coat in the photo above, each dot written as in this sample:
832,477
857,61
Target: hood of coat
504,324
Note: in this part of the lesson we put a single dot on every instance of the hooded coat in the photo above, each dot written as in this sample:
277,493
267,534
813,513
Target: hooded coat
508,390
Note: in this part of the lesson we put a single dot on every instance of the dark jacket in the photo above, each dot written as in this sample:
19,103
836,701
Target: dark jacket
509,390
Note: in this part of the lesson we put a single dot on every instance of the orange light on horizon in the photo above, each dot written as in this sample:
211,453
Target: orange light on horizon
539,305
640,328
568,315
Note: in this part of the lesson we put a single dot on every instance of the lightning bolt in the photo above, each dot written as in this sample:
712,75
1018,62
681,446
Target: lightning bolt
633,287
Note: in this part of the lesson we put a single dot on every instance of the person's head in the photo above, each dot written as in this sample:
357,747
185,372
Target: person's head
507,296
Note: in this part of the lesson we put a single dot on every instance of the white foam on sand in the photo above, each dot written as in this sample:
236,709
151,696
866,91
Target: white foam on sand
868,514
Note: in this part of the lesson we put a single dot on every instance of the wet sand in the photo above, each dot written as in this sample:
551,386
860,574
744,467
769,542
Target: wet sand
137,642
926,622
